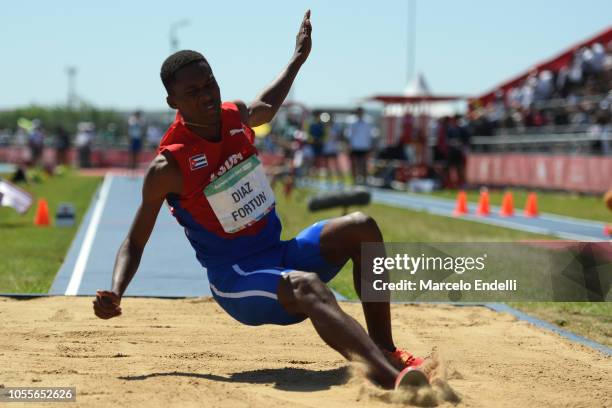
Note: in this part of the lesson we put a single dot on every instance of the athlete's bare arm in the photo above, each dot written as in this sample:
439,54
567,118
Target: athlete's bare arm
265,106
163,177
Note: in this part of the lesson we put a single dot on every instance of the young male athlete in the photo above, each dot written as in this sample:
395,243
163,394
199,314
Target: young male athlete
208,171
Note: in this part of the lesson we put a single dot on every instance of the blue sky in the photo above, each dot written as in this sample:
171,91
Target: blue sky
359,47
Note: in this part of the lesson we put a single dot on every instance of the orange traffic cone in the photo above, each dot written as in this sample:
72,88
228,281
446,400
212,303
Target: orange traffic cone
531,207
484,208
507,208
42,214
461,208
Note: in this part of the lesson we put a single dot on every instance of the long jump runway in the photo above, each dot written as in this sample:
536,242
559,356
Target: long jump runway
168,267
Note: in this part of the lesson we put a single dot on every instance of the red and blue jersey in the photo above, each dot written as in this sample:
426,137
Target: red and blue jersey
201,163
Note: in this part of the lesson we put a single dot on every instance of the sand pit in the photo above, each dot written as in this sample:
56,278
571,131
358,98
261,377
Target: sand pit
188,353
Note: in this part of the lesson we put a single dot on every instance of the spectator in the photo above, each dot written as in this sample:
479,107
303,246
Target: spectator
607,60
420,141
303,155
84,142
497,110
62,145
458,141
527,92
406,140
5,137
36,142
441,147
331,148
431,141
602,130
316,132
136,133
575,69
562,82
359,134
533,118
544,86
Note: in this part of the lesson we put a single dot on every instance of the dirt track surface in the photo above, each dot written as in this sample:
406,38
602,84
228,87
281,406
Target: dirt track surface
188,353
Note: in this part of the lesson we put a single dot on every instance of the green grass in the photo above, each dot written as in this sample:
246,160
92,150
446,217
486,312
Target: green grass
592,320
572,205
31,256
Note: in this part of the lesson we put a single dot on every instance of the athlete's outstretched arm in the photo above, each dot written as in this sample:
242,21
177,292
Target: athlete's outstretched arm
161,179
265,106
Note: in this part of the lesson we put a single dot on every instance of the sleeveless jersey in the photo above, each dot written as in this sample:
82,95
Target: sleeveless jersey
227,205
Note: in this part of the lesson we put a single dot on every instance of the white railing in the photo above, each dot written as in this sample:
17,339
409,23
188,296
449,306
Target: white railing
527,139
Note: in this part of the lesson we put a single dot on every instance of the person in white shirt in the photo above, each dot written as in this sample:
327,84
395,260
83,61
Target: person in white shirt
83,142
575,69
359,134
544,86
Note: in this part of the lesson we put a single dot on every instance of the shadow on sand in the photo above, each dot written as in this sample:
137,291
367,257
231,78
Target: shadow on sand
288,379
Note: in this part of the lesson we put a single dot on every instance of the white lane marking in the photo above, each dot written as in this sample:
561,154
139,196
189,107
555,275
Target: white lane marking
92,228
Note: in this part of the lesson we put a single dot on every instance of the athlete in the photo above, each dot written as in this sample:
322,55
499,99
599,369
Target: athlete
208,171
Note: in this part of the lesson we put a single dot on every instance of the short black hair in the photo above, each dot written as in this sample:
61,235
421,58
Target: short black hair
175,62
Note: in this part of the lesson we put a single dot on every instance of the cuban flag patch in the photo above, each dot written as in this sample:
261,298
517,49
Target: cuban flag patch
198,161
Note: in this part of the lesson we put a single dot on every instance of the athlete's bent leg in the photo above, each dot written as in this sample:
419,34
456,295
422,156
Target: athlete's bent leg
304,293
341,240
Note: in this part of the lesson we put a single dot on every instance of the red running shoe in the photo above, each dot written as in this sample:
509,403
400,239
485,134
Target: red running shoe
411,374
402,359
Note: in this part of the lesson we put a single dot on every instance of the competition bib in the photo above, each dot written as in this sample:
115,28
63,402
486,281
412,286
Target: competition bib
241,196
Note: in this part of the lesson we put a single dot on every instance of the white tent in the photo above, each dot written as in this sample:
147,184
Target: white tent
418,87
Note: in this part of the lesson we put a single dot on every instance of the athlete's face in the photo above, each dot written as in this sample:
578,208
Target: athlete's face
195,93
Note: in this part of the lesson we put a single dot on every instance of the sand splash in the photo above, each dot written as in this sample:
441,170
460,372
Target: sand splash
438,392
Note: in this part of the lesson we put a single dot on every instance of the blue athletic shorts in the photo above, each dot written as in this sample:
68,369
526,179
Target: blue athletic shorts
247,289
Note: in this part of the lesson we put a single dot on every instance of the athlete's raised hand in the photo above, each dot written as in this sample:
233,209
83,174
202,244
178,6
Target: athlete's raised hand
267,103
303,42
